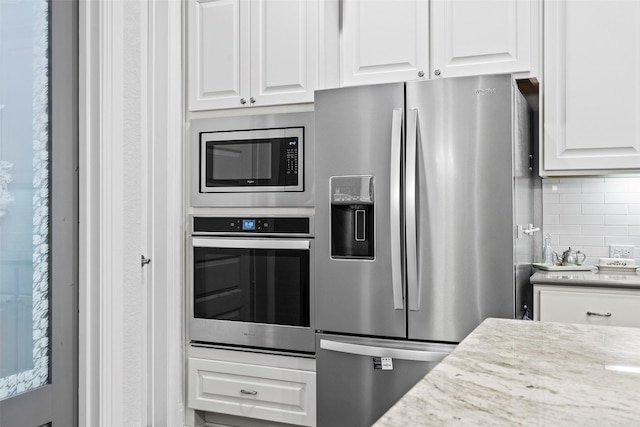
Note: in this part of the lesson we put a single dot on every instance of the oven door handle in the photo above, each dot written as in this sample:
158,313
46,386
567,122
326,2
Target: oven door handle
208,242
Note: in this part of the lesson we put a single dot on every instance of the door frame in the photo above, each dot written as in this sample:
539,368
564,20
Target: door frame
103,71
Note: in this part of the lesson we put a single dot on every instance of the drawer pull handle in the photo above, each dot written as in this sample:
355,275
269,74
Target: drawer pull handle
251,392
593,313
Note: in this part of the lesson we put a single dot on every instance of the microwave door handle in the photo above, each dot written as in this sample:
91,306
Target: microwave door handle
394,210
375,351
250,243
413,286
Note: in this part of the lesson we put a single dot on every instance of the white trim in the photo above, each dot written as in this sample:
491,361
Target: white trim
105,347
89,251
111,222
166,109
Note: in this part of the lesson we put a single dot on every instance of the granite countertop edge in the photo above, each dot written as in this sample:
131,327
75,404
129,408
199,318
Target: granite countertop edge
586,278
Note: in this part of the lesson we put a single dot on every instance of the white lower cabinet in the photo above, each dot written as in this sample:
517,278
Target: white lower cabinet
273,388
594,306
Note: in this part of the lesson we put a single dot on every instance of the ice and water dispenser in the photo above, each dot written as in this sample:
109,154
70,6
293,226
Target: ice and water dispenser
352,220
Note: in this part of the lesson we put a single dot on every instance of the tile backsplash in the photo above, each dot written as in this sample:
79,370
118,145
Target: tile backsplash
589,214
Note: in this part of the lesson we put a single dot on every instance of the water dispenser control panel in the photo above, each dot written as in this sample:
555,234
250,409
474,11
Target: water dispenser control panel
352,217
349,190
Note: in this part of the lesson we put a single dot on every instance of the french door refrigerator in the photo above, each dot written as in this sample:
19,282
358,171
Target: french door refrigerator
426,201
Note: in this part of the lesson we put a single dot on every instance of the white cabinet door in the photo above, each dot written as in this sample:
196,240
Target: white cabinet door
251,52
593,306
384,41
283,51
218,32
262,392
591,86
472,37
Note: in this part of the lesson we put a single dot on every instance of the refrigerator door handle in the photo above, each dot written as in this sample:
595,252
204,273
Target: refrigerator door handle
373,351
413,285
396,222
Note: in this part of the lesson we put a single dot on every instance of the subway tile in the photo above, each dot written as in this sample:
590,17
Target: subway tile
550,181
575,218
633,209
615,230
622,220
581,219
582,198
623,179
622,240
605,230
594,230
611,187
562,188
580,180
596,251
563,229
591,209
622,198
575,241
556,208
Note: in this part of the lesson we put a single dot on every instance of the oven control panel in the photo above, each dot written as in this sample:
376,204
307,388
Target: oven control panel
251,225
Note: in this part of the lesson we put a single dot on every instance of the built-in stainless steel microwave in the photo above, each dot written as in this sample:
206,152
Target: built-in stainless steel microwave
252,161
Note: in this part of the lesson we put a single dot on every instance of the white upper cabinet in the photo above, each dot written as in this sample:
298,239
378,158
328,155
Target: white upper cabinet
384,41
218,53
471,37
283,51
251,52
591,87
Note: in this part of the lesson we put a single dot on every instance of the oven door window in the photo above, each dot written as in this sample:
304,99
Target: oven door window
252,285
260,162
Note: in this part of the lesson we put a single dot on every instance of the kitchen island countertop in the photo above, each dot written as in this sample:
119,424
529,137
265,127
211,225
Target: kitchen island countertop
515,372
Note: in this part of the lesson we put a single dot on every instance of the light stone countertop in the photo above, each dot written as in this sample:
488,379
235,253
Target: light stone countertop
587,278
516,372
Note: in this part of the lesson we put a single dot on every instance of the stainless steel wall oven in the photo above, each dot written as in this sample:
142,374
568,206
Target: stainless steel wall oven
251,282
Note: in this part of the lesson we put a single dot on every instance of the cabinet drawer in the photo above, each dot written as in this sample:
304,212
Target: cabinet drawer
263,392
590,306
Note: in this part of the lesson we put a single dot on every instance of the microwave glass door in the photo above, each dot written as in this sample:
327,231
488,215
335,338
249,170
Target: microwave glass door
241,161
252,285
259,160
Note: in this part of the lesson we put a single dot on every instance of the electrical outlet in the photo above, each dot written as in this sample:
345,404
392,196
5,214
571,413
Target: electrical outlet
622,251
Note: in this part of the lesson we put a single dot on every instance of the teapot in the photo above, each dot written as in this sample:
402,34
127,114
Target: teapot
569,257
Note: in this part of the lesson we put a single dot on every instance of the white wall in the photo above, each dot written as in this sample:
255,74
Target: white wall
589,214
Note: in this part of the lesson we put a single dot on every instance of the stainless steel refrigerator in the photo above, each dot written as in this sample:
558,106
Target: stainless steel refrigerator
427,202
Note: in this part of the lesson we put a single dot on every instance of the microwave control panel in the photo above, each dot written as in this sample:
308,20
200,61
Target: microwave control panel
292,157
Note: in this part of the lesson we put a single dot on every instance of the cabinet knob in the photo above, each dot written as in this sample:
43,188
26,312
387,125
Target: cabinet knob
436,72
243,101
252,100
420,73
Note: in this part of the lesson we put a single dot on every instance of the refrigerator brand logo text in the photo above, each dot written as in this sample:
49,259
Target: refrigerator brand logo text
487,91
